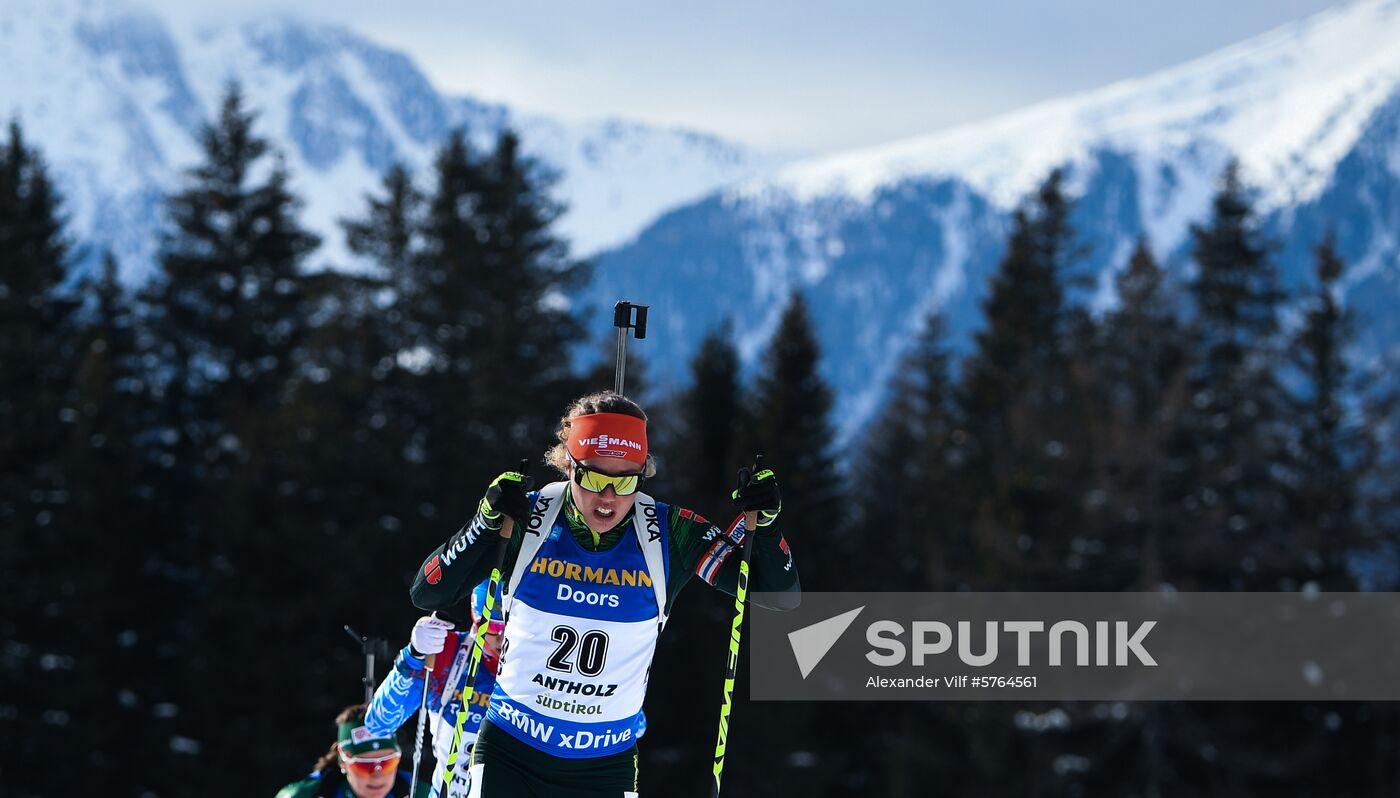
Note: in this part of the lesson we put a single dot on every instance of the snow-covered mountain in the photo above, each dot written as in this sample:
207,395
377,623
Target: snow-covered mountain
877,237
115,98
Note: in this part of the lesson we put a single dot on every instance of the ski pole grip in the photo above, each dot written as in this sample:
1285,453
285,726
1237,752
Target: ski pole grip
627,316
751,516
508,525
430,659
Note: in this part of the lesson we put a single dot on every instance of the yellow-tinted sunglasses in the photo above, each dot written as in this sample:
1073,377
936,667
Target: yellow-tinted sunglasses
597,481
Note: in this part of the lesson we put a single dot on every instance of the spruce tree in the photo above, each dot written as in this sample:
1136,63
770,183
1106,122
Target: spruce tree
229,313
493,353
1136,389
1022,404
388,234
230,306
362,396
40,578
1335,447
790,408
1232,432
1231,477
917,443
910,498
1335,455
712,419
35,335
696,435
108,514
792,429
1139,395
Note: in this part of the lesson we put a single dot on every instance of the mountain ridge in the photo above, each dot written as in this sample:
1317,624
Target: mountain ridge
115,96
866,234
1186,101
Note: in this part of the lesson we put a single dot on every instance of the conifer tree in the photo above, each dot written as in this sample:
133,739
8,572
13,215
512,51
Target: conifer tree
39,576
697,437
1335,447
388,234
916,442
1022,406
111,482
790,408
229,315
1139,393
1231,478
712,421
1232,431
792,429
35,335
909,483
109,391
362,396
495,341
230,305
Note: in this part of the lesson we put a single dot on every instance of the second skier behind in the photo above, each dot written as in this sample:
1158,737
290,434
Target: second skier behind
400,696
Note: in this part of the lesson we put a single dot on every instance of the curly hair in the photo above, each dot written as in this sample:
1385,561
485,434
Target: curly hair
329,764
601,402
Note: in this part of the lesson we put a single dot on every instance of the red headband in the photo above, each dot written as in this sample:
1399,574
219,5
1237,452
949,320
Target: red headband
608,435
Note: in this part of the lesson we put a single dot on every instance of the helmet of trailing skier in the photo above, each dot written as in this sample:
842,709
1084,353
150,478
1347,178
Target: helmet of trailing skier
497,624
355,738
369,761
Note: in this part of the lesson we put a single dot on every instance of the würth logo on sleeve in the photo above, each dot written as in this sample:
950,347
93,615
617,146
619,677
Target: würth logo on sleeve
433,570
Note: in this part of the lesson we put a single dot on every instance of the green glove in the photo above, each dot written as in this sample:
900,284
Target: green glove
758,491
508,495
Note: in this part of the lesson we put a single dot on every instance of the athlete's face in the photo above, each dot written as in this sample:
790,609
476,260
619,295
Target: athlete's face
372,785
603,510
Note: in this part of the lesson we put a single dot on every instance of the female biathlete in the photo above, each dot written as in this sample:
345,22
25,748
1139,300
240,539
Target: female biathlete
591,572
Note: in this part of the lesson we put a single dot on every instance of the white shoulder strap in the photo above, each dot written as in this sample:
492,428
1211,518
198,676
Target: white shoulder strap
542,515
649,535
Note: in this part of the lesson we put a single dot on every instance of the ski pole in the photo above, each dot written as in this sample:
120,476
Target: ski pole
731,667
428,663
626,316
479,642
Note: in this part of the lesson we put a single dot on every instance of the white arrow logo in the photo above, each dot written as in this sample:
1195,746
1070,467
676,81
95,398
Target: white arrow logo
810,643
